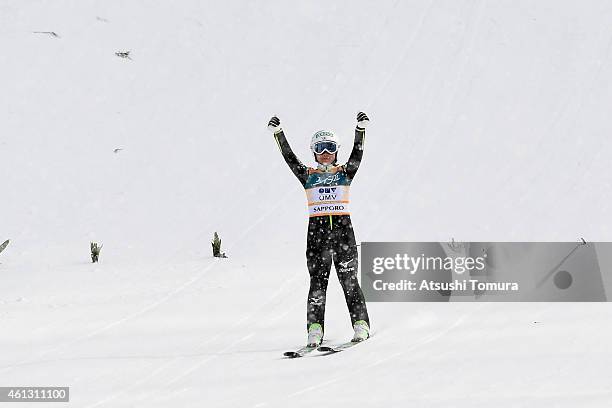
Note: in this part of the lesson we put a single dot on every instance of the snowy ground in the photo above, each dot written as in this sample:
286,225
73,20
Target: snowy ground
489,122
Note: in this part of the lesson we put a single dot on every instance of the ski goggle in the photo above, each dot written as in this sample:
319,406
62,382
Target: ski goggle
326,146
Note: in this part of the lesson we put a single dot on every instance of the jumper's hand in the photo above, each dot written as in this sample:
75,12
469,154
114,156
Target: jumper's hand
274,124
362,120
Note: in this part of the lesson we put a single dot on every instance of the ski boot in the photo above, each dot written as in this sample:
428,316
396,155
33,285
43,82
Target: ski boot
315,335
362,331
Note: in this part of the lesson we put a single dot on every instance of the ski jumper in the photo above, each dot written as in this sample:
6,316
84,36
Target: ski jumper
330,232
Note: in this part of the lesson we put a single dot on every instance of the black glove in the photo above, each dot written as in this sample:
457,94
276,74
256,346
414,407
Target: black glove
362,120
274,125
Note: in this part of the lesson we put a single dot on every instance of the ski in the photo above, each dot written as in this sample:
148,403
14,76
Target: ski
338,347
4,245
300,352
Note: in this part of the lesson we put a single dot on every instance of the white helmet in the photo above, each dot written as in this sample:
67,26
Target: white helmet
324,136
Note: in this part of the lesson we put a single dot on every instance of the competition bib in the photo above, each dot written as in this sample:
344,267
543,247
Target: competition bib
327,194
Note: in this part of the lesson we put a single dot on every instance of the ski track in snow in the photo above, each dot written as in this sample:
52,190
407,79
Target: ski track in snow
151,306
409,43
217,336
362,362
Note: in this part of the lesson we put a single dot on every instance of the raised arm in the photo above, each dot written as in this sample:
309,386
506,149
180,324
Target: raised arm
354,160
296,166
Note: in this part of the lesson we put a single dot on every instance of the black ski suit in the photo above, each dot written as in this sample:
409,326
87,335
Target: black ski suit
330,232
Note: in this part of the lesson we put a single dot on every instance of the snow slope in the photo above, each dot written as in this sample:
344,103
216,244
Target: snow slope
489,122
